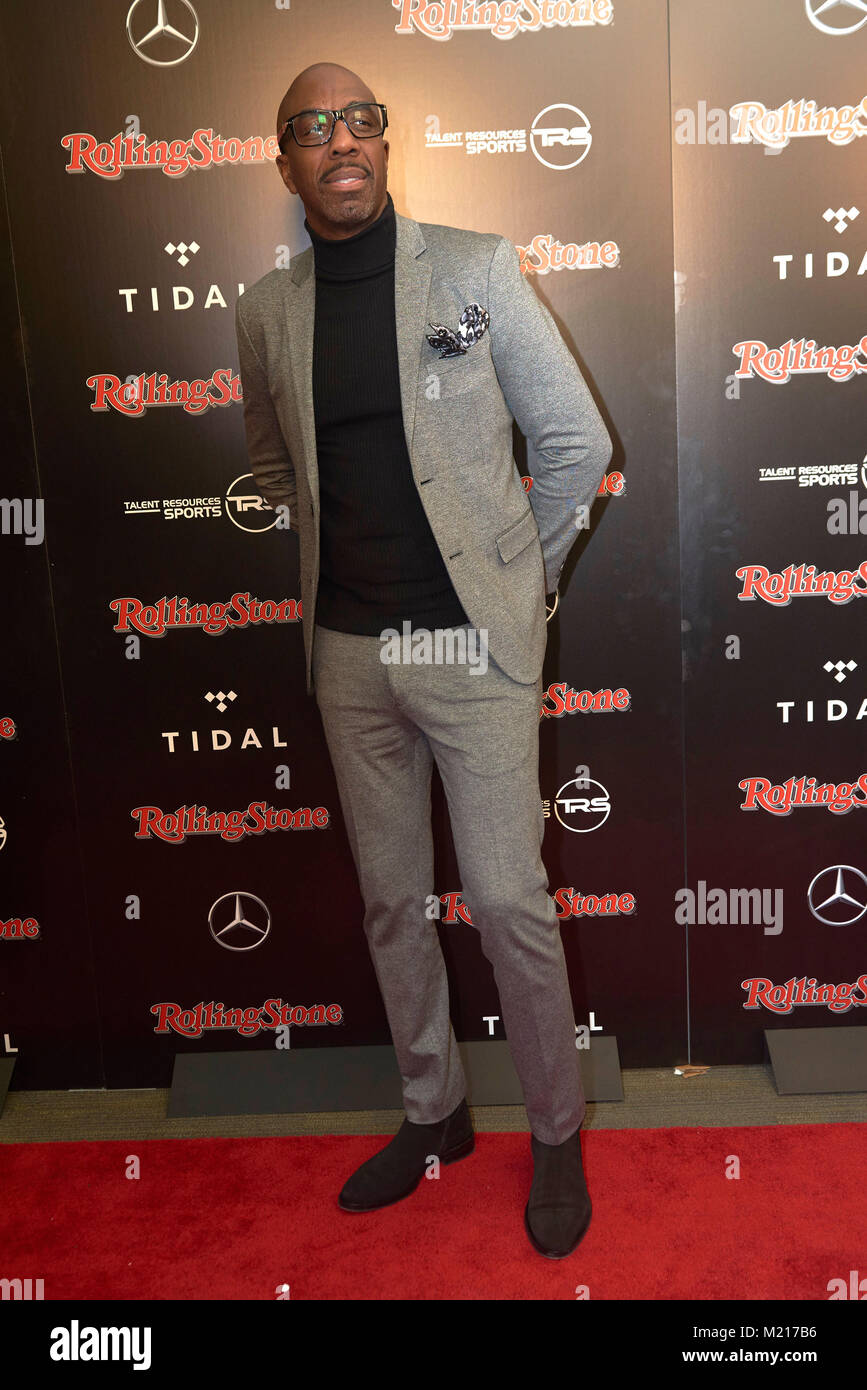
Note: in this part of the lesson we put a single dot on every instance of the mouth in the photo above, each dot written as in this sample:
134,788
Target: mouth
347,178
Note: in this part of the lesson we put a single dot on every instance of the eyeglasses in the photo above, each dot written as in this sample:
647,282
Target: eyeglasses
364,121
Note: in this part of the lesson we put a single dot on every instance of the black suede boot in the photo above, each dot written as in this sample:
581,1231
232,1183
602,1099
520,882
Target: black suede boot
558,1211
397,1170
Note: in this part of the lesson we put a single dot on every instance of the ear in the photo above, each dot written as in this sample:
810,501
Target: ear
285,174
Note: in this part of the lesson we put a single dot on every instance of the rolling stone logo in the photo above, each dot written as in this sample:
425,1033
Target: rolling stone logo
568,902
564,700
776,126
781,999
783,798
801,581
19,929
134,397
799,358
439,19
571,903
544,254
202,1018
612,484
156,619
174,827
110,159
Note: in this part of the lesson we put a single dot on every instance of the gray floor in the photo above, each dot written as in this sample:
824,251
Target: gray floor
652,1099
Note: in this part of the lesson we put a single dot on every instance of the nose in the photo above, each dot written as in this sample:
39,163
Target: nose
343,139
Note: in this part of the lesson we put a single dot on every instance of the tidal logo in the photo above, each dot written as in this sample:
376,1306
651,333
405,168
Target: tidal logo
830,263
182,297
841,669
841,218
181,250
835,263
829,711
221,697
218,740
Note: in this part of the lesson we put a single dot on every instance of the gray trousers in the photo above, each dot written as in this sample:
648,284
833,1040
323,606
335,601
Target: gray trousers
384,725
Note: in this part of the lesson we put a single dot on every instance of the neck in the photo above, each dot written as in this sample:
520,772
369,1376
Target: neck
365,252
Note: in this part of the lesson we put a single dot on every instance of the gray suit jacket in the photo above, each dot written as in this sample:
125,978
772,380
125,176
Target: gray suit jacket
504,549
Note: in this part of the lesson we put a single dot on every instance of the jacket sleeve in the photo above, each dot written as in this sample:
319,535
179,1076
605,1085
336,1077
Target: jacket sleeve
270,463
568,444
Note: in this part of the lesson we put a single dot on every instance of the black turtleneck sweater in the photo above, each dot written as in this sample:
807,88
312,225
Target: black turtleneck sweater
379,562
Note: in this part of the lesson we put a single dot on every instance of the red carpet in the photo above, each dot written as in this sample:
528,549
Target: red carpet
235,1218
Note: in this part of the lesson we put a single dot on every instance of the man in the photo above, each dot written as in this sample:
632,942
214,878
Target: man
381,375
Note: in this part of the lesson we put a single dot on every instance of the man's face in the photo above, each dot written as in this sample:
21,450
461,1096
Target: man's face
342,184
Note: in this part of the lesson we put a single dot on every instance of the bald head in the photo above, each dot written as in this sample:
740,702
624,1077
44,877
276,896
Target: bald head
313,86
341,183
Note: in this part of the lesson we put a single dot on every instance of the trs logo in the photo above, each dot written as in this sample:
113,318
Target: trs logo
563,132
581,805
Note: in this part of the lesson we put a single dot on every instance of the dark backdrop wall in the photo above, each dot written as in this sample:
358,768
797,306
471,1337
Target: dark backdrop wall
683,181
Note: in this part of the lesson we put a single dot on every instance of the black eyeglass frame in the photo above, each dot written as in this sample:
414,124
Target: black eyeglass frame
336,116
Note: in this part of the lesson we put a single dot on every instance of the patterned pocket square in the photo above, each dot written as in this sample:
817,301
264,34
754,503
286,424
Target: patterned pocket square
472,325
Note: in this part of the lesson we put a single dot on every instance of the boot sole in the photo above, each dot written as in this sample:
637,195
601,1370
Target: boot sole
556,1254
461,1150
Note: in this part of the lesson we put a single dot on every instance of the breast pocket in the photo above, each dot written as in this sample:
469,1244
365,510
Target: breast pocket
443,379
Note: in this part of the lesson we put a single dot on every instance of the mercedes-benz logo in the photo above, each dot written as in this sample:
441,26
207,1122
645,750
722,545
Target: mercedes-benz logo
829,900
239,918
162,37
817,8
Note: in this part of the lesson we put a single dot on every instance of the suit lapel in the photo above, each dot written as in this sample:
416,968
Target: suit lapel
412,276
